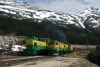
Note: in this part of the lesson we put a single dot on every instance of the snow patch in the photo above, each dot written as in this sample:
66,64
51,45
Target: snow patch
17,47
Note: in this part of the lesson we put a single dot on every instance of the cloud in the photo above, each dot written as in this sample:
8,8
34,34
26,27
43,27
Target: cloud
67,6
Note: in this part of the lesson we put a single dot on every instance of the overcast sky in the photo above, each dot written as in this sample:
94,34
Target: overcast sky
67,6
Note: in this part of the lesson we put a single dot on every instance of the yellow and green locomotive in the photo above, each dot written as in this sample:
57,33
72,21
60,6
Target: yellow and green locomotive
36,46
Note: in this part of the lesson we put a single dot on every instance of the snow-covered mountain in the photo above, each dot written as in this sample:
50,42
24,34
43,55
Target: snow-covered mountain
89,18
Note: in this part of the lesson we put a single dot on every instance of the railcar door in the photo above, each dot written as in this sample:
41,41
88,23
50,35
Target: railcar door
35,48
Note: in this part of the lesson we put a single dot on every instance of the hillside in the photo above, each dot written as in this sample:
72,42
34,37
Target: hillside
23,19
46,29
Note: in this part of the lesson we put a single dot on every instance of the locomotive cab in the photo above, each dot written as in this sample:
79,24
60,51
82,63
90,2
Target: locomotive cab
35,46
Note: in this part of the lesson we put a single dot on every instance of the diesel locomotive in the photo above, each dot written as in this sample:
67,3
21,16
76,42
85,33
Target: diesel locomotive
35,46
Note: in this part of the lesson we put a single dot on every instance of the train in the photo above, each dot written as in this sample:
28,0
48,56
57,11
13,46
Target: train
45,46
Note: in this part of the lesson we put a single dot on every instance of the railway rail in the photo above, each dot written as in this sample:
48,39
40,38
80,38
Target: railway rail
16,61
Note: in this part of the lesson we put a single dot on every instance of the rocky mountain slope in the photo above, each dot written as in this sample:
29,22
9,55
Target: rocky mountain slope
89,18
5,41
92,18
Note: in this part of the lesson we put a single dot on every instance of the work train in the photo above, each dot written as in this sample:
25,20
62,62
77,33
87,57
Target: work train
35,46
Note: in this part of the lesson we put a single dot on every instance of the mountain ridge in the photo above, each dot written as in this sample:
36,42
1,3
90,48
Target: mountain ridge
89,18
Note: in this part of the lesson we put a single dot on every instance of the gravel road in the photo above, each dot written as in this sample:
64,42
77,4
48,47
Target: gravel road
68,60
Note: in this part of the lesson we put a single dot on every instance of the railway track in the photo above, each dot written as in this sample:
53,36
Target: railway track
16,61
